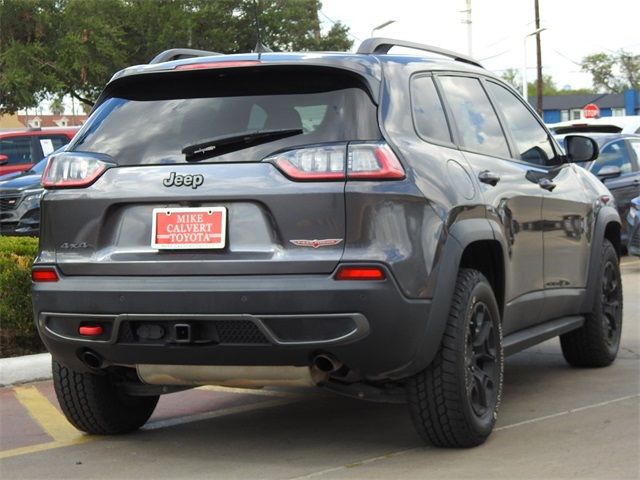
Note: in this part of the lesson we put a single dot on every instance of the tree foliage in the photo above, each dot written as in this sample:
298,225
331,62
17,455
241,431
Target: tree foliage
72,47
549,88
613,72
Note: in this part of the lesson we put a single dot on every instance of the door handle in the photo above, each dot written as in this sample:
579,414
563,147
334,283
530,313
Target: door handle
546,184
489,178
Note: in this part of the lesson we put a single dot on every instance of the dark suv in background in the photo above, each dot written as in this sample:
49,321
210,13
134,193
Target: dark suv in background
618,166
384,226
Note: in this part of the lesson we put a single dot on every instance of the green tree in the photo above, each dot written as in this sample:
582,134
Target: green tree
72,47
513,78
549,88
613,72
57,105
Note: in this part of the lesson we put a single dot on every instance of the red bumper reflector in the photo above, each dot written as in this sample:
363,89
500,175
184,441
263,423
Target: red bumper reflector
44,275
360,273
90,330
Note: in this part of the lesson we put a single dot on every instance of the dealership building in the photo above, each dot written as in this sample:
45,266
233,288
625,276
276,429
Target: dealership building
560,108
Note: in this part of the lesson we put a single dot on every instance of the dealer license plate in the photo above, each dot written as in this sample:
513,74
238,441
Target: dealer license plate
181,228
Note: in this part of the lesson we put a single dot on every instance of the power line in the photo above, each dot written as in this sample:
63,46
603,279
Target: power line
334,22
565,57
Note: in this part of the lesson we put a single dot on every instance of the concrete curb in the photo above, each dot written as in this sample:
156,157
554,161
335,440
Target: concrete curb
25,369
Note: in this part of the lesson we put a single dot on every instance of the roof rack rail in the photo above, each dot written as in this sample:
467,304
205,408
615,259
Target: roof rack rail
180,53
380,46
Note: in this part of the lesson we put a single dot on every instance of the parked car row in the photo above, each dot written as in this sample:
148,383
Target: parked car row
633,220
20,194
20,149
625,124
618,163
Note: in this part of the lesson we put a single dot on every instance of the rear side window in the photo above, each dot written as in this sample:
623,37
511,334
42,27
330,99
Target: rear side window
18,149
531,139
478,126
613,155
153,122
428,115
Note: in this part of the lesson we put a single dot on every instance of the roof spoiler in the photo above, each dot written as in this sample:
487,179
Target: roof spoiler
381,46
180,53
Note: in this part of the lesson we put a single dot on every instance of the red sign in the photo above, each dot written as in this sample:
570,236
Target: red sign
177,228
591,111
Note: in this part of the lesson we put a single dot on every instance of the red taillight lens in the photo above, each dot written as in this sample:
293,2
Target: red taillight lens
364,161
360,273
373,162
44,275
90,330
209,65
74,170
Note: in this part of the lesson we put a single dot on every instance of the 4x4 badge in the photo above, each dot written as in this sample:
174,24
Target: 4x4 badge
327,242
176,180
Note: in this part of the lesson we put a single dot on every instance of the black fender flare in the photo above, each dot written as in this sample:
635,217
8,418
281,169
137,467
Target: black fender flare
605,216
460,235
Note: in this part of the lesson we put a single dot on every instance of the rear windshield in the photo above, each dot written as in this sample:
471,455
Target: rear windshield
148,123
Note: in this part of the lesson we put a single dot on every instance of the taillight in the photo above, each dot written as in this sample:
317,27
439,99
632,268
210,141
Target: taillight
357,161
74,170
315,163
360,273
46,274
373,162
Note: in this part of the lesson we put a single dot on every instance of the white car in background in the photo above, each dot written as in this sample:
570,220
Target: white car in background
628,124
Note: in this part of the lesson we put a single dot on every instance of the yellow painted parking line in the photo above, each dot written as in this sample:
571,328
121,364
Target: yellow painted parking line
14,452
46,415
49,419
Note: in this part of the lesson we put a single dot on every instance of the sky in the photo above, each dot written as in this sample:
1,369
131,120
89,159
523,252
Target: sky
574,29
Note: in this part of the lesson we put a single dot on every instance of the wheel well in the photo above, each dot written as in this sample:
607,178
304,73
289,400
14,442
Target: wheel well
612,233
486,257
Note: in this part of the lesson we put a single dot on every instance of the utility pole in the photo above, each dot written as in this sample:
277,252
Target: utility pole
468,22
539,85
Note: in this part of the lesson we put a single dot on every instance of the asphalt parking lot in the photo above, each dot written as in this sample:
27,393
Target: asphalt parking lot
555,422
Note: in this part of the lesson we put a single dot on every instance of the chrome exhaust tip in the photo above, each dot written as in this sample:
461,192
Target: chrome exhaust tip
327,363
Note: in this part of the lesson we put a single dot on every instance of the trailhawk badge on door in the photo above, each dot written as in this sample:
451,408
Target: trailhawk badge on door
181,228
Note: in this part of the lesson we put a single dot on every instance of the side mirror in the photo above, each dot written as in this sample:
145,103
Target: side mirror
580,149
610,171
4,159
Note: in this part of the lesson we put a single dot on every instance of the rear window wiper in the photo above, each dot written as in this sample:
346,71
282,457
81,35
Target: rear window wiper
236,141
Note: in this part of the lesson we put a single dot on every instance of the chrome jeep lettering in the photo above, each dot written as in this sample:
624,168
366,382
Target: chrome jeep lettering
176,180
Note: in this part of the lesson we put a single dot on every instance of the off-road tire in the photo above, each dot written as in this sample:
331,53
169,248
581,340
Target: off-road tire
441,397
93,403
596,343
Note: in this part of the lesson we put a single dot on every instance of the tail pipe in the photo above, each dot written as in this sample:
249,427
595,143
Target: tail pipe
327,363
91,359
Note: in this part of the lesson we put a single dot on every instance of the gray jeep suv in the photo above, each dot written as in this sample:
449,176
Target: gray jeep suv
384,226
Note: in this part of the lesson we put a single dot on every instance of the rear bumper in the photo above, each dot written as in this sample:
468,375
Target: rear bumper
370,326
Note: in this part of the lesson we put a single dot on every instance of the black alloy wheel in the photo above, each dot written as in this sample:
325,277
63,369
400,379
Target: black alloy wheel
610,305
596,343
481,361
